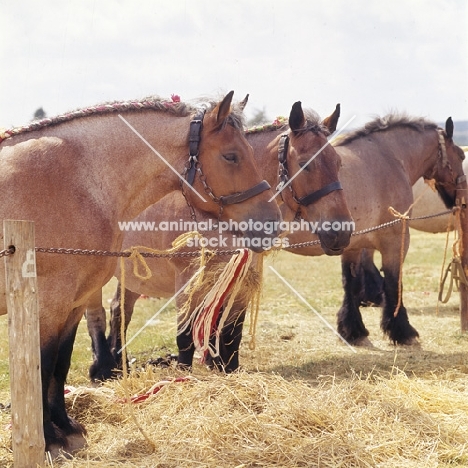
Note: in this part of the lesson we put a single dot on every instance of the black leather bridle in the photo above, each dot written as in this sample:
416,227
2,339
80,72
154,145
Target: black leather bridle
193,166
284,177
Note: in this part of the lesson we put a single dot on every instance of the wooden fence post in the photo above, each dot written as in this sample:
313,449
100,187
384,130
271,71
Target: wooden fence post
464,261
25,364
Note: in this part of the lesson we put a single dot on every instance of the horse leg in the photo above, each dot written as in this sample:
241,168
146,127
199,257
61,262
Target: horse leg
185,345
103,361
114,339
229,344
55,438
61,431
350,324
396,326
372,291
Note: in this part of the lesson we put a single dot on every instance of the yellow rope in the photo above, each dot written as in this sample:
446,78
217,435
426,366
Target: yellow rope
139,263
404,219
441,279
255,305
124,356
455,267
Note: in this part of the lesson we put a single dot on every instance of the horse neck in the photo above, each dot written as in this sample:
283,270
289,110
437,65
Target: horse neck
417,151
265,146
421,151
132,177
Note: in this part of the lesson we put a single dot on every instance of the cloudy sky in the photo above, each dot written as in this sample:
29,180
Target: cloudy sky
372,56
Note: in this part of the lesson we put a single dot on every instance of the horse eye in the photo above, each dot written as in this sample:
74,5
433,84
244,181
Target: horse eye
303,165
231,158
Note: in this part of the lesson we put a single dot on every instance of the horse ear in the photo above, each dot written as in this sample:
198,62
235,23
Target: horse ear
296,117
332,120
449,127
223,109
243,103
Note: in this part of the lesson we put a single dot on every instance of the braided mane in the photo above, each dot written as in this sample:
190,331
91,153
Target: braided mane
388,122
313,123
173,106
279,123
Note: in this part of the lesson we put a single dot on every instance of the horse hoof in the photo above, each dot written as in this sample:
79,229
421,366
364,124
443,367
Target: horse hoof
184,367
75,442
56,452
411,341
163,361
363,342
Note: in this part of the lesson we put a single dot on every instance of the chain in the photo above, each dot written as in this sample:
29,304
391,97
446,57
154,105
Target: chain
374,228
7,252
197,253
108,253
208,190
193,215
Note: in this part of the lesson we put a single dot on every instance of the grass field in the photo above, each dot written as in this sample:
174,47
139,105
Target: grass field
303,398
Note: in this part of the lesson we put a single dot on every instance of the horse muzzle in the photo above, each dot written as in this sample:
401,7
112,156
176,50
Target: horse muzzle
335,236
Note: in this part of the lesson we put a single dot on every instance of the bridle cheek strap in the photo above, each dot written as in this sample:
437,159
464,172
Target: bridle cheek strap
318,194
193,166
284,177
196,126
245,195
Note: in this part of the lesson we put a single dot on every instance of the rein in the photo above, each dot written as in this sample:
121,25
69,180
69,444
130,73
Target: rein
283,176
193,166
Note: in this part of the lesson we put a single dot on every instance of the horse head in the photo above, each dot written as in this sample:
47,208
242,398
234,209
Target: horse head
313,189
448,171
228,178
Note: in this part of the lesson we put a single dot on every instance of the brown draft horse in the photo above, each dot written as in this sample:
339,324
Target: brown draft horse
306,136
427,203
381,162
78,175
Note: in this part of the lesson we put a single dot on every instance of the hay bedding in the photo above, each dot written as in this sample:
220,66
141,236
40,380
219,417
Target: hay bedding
263,420
380,418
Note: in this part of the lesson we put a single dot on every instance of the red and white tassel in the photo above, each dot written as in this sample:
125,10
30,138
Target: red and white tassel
205,316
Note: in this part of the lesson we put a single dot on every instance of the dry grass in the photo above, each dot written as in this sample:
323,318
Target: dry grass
258,419
302,397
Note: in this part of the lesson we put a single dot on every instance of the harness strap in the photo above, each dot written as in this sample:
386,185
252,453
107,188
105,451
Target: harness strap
194,141
243,196
318,194
442,147
283,148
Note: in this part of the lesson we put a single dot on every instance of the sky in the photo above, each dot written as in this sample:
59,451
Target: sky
371,56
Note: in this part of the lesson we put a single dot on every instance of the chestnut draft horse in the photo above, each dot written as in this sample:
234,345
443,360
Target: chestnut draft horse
78,175
381,162
306,137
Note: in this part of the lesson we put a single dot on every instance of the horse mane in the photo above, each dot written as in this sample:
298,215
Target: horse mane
173,106
313,123
280,123
388,122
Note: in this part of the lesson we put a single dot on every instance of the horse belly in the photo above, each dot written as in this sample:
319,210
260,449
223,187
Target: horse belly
161,283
